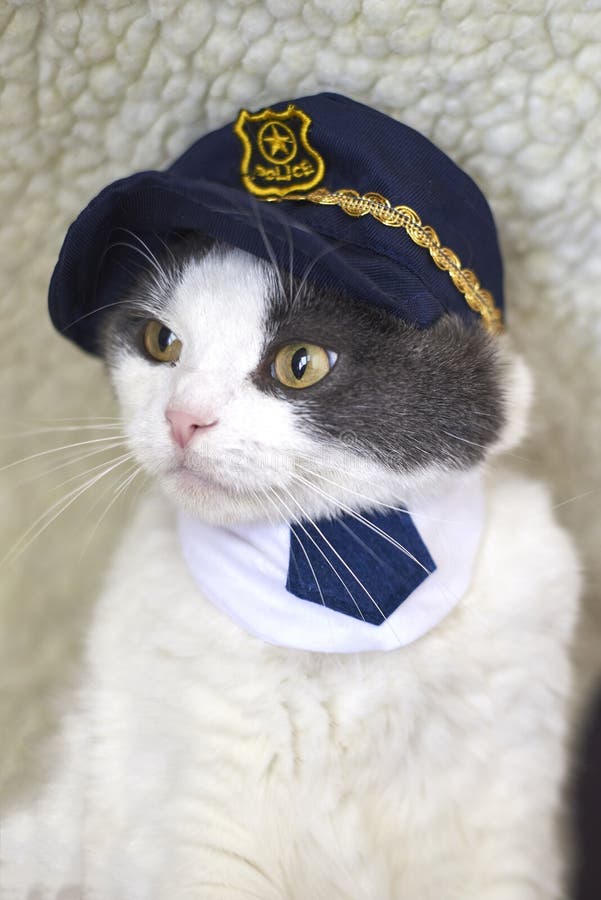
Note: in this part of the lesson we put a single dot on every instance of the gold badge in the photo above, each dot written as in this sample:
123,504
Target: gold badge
278,158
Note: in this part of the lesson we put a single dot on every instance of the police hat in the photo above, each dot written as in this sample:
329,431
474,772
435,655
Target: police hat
323,186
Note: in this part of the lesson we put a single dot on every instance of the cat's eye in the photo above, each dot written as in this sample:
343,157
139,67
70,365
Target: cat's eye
301,364
160,342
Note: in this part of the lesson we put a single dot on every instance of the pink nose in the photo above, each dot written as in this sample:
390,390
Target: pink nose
184,425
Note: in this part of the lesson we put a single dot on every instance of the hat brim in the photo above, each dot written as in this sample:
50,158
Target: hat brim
90,279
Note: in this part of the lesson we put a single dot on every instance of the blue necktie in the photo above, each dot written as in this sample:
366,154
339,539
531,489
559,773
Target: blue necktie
381,569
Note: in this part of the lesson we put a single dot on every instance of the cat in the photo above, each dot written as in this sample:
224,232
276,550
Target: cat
207,757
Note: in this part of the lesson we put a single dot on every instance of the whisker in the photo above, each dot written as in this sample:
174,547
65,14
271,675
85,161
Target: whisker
577,497
319,549
61,428
141,483
148,272
385,537
351,572
18,462
151,256
69,462
290,257
375,528
482,446
346,566
121,488
284,519
366,547
123,458
49,420
310,268
92,312
268,247
306,555
23,542
399,509
110,487
168,250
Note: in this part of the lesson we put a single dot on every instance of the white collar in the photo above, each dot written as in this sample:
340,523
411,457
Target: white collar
243,570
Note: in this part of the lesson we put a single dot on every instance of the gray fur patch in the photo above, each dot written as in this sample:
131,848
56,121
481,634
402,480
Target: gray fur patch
407,396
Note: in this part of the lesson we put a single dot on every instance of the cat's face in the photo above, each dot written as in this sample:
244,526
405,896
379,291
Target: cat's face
251,397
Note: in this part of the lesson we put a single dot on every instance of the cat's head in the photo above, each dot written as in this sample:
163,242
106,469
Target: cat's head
347,353
250,395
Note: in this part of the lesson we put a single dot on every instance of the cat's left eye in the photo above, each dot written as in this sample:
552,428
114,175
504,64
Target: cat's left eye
160,342
302,364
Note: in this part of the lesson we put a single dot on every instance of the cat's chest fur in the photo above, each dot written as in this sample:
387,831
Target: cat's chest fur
203,756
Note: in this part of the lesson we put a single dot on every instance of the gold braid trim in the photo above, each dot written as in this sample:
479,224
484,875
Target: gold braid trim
466,282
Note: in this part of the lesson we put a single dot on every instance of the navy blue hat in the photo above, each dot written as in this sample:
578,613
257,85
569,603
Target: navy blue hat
364,204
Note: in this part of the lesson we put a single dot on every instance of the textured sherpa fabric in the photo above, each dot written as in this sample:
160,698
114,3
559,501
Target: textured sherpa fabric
91,91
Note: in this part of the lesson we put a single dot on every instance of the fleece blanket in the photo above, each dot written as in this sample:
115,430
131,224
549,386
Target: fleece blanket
91,90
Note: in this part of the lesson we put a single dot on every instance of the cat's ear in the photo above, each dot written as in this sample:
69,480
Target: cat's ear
518,392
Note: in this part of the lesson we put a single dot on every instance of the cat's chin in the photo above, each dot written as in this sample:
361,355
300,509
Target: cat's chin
207,497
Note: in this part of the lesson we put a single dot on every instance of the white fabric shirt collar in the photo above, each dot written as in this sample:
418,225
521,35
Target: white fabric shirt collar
243,570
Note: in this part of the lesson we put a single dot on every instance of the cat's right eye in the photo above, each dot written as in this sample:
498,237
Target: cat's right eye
160,342
301,364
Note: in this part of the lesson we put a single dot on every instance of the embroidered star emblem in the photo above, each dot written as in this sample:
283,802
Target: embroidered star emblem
278,140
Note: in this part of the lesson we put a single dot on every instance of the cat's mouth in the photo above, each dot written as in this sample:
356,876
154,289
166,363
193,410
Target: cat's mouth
215,478
188,478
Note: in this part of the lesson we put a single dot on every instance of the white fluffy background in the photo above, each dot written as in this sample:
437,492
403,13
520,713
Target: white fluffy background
91,91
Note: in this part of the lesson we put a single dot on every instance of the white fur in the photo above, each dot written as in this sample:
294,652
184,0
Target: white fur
204,763
199,762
